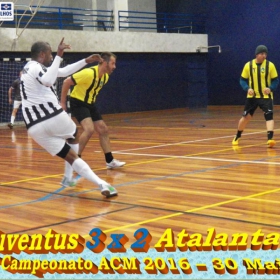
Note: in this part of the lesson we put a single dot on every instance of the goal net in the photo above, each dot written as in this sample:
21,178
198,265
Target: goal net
9,71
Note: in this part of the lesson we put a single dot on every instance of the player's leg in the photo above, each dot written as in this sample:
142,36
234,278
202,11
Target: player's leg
267,106
14,112
82,168
68,179
249,109
102,130
88,130
80,112
52,134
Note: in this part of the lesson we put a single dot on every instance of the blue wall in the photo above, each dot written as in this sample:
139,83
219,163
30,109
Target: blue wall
239,27
141,82
144,82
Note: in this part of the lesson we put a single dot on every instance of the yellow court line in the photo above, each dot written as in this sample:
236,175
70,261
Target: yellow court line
189,211
30,179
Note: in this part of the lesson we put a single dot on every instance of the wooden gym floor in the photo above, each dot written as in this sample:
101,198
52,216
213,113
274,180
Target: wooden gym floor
181,173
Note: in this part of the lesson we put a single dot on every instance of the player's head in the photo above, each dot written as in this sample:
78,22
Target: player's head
261,53
109,62
42,52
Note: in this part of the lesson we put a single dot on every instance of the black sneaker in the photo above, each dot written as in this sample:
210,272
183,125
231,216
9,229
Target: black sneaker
10,125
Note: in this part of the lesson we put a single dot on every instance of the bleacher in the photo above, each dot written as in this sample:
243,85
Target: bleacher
103,20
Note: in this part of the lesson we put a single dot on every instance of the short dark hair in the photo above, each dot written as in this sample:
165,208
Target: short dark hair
39,47
107,55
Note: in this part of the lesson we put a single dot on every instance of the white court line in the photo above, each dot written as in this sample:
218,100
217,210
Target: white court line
186,142
203,158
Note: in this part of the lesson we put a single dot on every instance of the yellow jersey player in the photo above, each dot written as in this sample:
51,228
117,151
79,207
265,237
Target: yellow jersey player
259,79
86,84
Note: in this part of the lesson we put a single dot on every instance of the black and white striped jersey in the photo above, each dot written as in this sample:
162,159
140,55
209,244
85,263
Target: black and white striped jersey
39,102
39,98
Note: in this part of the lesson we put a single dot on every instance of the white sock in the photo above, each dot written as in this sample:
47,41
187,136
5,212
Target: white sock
68,172
13,119
82,168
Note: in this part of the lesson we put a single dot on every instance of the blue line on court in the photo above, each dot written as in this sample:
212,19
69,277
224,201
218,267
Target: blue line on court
35,200
51,196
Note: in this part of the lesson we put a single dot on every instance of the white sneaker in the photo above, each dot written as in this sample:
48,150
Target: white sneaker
69,183
115,163
107,190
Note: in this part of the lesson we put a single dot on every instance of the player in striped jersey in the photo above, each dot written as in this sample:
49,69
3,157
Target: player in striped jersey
259,79
47,123
86,85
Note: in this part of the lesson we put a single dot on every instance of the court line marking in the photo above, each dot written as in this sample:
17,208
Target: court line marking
77,219
130,164
209,159
143,162
53,196
43,198
131,206
187,142
189,211
50,196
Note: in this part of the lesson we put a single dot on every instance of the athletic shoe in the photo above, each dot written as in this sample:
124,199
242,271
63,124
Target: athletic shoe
107,190
69,183
10,125
235,141
271,143
115,163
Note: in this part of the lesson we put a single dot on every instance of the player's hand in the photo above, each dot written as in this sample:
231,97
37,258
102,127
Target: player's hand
64,107
94,58
251,92
266,90
61,47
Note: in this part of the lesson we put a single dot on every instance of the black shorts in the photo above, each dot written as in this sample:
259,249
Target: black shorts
252,104
81,110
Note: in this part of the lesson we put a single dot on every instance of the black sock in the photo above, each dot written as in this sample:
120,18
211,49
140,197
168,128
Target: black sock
238,134
269,135
108,157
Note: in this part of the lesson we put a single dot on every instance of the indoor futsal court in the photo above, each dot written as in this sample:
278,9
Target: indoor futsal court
181,173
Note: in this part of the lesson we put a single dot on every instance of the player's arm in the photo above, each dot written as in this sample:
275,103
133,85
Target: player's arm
274,84
67,83
48,78
10,95
274,80
74,67
244,83
244,79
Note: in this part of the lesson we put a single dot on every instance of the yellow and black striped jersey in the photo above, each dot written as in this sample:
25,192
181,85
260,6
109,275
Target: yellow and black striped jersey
87,84
259,77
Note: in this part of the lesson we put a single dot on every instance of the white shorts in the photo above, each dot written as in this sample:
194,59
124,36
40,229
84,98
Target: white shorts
17,104
52,133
